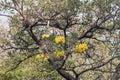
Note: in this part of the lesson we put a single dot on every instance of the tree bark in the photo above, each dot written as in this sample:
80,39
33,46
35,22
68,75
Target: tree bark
66,75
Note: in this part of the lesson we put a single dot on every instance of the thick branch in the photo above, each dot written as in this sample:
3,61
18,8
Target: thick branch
65,75
30,31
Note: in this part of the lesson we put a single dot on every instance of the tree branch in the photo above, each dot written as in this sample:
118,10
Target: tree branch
17,65
6,15
66,75
93,68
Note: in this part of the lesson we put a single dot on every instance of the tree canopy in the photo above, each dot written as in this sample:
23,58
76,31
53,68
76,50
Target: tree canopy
60,39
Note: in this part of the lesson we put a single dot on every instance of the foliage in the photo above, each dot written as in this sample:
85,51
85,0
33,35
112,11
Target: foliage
47,35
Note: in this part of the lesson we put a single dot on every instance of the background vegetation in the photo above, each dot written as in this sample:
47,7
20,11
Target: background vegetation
29,49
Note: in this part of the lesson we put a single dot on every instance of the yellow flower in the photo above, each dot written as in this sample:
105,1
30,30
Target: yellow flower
60,39
81,47
62,53
46,57
59,54
37,56
43,57
45,36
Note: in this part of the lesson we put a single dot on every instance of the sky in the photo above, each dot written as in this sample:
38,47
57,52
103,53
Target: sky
3,21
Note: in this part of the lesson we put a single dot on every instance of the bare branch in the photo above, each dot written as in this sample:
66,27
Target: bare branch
96,67
6,15
17,65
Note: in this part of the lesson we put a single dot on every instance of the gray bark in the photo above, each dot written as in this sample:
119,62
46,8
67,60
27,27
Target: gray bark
66,75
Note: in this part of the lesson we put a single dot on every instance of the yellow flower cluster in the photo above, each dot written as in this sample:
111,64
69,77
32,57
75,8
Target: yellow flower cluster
59,54
37,56
81,47
45,36
60,39
44,57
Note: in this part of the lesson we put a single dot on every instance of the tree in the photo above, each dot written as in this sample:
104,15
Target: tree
76,37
